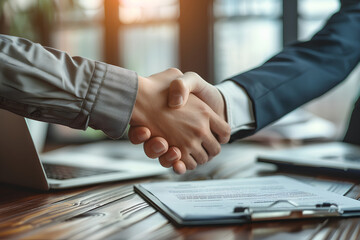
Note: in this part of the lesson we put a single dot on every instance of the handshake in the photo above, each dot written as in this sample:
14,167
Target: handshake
180,118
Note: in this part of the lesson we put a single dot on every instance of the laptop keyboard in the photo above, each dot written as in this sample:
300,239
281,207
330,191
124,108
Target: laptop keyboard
62,172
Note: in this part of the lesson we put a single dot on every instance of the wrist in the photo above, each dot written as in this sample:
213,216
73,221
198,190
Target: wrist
222,110
138,112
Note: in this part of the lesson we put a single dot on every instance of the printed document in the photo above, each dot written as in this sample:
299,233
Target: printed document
217,198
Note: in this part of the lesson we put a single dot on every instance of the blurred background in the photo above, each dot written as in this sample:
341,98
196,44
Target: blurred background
215,38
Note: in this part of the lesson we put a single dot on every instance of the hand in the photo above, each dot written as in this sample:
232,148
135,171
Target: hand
180,127
178,95
191,82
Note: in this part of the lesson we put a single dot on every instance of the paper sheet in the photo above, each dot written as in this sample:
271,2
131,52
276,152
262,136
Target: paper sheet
339,187
217,198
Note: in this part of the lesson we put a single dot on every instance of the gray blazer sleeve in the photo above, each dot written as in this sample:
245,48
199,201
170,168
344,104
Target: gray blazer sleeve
48,85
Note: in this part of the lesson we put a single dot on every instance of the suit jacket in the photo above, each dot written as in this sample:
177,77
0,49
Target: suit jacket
306,70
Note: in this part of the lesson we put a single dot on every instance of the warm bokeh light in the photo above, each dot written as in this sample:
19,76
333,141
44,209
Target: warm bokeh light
146,3
132,11
91,4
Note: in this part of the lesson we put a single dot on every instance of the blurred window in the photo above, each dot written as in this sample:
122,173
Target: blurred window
142,11
234,8
80,11
148,35
84,41
79,30
149,49
246,33
313,15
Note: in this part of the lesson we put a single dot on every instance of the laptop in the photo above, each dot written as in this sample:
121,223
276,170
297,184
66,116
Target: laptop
21,164
331,157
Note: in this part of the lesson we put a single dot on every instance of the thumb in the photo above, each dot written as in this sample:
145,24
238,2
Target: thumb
178,93
181,87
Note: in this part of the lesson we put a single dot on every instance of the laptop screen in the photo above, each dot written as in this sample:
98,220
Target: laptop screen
38,131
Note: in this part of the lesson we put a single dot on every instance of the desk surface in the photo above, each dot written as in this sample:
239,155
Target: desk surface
114,211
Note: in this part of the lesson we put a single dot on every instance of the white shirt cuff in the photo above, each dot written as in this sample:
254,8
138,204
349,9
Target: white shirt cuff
238,106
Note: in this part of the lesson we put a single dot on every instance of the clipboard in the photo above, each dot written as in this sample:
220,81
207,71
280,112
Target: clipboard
279,210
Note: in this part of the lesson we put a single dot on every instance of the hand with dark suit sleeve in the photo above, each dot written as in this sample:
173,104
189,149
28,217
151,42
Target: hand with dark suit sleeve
304,70
298,74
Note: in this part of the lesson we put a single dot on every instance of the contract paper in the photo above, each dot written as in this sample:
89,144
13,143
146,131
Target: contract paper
218,198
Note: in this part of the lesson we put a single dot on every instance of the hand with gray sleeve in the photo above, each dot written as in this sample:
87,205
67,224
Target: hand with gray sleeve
46,84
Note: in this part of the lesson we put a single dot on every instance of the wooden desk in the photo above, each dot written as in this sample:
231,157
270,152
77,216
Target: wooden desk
114,211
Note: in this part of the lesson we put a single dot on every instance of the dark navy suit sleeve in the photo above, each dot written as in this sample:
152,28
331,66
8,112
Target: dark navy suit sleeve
304,70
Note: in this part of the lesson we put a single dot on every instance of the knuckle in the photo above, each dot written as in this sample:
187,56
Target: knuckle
175,71
193,74
189,145
204,109
201,132
206,112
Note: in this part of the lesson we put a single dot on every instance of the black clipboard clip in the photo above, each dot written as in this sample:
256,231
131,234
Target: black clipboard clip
296,211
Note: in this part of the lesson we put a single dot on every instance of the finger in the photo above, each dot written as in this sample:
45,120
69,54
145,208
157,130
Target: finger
155,147
178,93
193,82
138,135
200,156
220,128
212,146
189,161
179,167
170,157
181,87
